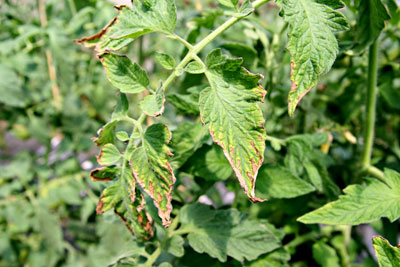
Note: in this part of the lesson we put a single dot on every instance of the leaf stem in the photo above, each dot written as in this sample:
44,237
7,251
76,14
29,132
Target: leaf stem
194,50
369,124
153,257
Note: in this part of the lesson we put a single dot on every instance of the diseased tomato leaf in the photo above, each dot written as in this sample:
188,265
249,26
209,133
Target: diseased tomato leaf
128,204
312,43
152,170
132,22
153,105
229,108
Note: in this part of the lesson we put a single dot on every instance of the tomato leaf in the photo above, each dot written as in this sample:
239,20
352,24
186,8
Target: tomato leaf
387,255
312,43
229,108
361,203
152,170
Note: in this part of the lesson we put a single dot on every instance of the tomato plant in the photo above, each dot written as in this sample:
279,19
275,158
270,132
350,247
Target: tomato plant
243,133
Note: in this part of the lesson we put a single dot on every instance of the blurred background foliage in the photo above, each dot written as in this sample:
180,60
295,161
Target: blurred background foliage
54,97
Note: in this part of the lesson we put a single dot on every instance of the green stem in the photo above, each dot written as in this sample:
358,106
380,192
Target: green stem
72,6
203,43
153,257
277,140
371,104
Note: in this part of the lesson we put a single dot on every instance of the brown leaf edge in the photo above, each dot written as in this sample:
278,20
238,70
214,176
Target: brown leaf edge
291,107
164,215
255,166
98,179
97,37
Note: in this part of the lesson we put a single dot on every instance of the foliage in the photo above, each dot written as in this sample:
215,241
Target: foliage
200,114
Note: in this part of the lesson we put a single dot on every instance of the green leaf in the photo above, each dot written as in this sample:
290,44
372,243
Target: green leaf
152,170
276,258
387,255
325,255
105,134
132,22
371,21
194,67
109,155
186,139
188,104
361,203
11,92
174,246
122,108
105,174
210,163
279,182
229,108
314,175
128,204
165,60
312,43
153,105
248,53
229,3
127,77
122,136
222,233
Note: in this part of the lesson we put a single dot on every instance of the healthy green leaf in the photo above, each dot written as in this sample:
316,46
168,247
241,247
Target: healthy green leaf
229,3
122,136
109,155
194,67
188,104
186,139
387,255
276,258
229,108
209,162
312,43
153,105
371,21
325,255
166,61
222,233
361,203
122,108
279,182
127,77
152,170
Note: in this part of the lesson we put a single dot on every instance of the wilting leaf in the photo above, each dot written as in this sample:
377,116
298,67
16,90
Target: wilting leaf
222,233
122,73
387,255
312,43
128,204
153,105
361,203
229,108
132,22
371,21
152,170
105,174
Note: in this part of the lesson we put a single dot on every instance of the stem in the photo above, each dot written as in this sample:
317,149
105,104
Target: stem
277,140
377,173
49,58
153,257
369,123
203,43
72,6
